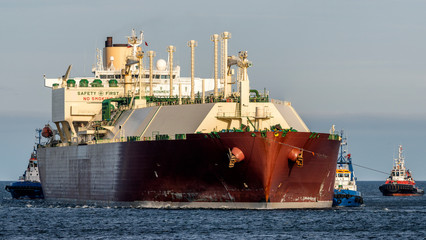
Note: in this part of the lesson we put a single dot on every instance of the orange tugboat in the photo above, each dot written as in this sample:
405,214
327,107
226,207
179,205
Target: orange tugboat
400,182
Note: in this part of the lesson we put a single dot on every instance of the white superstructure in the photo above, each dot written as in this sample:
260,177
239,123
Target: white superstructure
31,174
345,176
399,172
116,102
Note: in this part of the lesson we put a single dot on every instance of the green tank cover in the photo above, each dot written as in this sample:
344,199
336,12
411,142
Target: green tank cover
97,83
113,83
71,83
84,83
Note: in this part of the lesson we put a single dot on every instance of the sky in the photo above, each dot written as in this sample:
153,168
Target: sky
360,65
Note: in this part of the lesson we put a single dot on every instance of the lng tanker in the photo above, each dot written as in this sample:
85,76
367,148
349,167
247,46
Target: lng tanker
146,137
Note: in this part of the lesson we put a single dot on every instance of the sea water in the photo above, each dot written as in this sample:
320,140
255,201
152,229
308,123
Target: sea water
380,218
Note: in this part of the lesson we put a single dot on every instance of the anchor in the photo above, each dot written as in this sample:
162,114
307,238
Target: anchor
235,156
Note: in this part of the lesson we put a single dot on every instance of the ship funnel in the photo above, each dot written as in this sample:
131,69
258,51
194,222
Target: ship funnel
115,55
108,42
192,44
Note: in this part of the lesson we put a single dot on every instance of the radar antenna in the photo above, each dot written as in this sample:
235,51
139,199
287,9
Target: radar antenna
134,41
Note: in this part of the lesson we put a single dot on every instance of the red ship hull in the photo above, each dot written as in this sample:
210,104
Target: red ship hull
195,172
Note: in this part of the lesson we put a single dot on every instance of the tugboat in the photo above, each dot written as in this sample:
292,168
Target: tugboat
400,181
29,185
345,188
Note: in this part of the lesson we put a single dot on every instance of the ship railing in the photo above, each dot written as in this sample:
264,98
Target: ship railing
276,101
228,115
181,136
265,114
101,141
164,101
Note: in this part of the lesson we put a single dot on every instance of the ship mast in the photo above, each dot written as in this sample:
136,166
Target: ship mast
345,160
400,161
224,63
171,49
136,57
134,42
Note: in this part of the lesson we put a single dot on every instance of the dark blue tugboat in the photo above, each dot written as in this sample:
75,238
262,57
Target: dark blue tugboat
345,188
29,185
